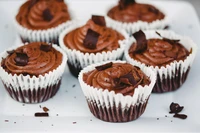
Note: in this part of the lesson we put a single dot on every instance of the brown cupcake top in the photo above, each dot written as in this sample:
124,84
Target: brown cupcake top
107,40
118,77
132,12
160,52
32,59
42,14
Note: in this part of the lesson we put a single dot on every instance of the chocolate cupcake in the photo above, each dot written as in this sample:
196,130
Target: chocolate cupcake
32,73
94,42
168,54
134,16
42,20
117,91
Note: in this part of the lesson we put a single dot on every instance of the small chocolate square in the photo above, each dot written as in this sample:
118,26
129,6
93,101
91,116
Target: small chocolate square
91,39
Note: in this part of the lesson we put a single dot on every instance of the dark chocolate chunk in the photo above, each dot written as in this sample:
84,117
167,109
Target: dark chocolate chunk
41,114
10,52
32,3
21,59
6,120
130,78
47,15
91,39
181,116
99,20
153,9
105,66
45,48
124,3
175,108
141,42
45,109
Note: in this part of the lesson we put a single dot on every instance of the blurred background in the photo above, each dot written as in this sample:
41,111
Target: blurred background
196,4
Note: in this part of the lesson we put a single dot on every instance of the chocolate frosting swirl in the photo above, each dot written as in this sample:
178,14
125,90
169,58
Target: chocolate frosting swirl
105,79
39,61
107,41
160,53
31,17
135,12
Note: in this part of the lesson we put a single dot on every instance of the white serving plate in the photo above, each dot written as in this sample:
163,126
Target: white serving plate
69,103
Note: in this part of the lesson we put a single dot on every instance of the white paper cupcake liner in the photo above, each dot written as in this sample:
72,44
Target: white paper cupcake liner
33,89
78,60
141,25
47,35
172,76
112,107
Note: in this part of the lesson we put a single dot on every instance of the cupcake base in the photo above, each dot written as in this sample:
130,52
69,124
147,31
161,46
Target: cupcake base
74,69
170,84
33,96
117,114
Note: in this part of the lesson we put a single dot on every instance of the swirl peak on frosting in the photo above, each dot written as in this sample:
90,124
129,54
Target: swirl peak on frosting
42,14
160,52
41,60
107,41
120,77
134,12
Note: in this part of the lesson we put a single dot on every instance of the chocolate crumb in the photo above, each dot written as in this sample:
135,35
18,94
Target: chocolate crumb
91,39
23,104
40,106
6,120
45,48
91,120
47,15
41,114
74,122
15,122
171,121
99,20
45,109
141,40
157,118
21,59
165,115
73,85
166,27
103,67
75,97
181,116
52,125
175,108
56,114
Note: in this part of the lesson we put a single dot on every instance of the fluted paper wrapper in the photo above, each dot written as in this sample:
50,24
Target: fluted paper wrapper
78,60
141,25
172,76
112,107
47,35
33,89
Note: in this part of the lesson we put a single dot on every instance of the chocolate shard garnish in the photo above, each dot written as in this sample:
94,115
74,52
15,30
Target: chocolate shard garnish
141,42
99,20
41,114
175,108
47,16
45,47
91,39
168,40
11,52
21,59
32,3
124,3
181,116
45,109
153,9
104,67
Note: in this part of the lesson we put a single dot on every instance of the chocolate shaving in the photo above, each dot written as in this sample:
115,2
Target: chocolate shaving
41,114
175,108
45,48
124,3
45,109
11,52
181,116
168,40
21,59
91,39
103,67
141,42
99,20
153,10
32,3
47,15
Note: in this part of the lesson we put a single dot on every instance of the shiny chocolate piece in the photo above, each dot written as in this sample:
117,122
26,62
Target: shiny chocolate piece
47,15
41,114
45,109
45,47
124,3
141,42
181,116
105,66
99,20
91,39
175,108
21,59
